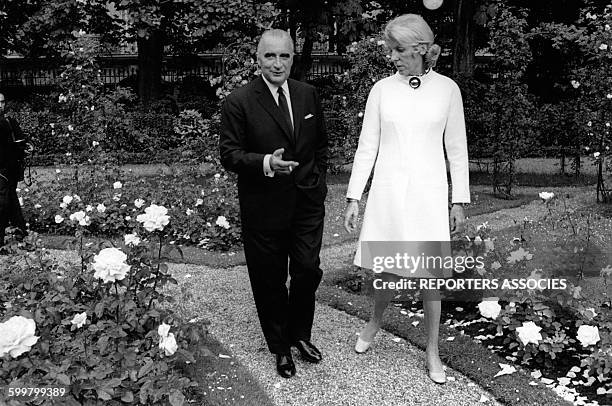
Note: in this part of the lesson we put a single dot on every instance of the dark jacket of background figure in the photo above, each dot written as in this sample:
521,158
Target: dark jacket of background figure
11,153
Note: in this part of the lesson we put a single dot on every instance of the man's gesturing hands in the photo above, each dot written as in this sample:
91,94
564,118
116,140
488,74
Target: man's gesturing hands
278,165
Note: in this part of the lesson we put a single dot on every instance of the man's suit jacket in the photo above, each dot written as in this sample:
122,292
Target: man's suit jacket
253,126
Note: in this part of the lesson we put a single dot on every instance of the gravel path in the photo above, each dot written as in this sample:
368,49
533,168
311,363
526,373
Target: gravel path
392,373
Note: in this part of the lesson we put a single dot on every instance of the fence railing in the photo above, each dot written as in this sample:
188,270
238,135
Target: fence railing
22,72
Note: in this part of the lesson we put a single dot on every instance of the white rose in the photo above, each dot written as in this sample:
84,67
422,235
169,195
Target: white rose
588,335
596,155
117,185
603,47
110,265
79,319
489,308
58,218
575,84
139,203
77,216
37,206
85,221
95,143
89,208
155,218
67,199
529,332
131,239
17,336
163,330
117,197
168,344
199,202
101,208
222,222
546,196
189,212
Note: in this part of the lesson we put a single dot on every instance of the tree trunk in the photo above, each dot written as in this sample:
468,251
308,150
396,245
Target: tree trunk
304,62
150,58
463,55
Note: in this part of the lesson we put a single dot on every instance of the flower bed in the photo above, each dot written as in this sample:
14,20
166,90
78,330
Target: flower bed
563,336
102,202
96,331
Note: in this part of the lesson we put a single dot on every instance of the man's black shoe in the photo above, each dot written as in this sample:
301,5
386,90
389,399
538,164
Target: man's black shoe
284,365
309,352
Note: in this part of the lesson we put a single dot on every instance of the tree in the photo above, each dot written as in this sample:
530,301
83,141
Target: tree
156,26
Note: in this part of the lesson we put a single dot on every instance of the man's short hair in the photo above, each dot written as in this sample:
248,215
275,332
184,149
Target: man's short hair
275,33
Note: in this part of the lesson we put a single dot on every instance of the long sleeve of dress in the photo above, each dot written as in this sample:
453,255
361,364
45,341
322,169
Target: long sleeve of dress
367,149
455,143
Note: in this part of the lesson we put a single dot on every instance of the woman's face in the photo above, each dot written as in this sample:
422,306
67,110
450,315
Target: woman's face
407,57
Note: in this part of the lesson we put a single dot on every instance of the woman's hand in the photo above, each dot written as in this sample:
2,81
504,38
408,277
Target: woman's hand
457,219
350,215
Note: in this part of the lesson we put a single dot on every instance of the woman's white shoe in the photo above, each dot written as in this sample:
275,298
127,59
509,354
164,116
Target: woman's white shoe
437,377
362,346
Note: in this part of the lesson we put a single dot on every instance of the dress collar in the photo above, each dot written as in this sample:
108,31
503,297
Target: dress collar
410,80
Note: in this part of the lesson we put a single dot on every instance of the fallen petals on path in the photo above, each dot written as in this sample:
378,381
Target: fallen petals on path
506,369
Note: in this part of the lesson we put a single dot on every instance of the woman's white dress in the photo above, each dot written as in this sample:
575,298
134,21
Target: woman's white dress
404,135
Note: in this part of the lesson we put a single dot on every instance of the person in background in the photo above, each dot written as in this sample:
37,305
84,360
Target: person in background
12,154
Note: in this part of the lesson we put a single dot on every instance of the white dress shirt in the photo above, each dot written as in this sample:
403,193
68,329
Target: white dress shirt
274,90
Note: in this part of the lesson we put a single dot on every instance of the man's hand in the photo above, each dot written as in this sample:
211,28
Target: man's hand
350,216
457,219
278,165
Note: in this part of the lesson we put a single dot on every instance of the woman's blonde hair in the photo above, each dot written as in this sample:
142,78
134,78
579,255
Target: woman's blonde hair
412,28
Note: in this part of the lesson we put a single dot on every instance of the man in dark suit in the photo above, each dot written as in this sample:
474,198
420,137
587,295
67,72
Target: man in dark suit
273,136
12,152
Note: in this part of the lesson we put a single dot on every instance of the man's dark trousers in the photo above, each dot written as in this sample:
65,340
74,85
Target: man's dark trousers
286,315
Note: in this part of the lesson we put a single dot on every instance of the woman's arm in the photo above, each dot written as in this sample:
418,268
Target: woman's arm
367,149
455,143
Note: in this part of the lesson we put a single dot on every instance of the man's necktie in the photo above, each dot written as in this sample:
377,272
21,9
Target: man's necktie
284,107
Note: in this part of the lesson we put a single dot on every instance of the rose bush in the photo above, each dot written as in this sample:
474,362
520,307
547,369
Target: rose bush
95,336
554,330
194,202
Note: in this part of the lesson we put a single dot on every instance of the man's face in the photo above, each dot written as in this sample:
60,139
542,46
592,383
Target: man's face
275,58
2,103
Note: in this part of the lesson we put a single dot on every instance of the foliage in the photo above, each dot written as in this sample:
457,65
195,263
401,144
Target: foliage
115,357
344,108
499,114
559,246
239,66
195,204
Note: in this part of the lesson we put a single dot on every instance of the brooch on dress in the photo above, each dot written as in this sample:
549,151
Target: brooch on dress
415,81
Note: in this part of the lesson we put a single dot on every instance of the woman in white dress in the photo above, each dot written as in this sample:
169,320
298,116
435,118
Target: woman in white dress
411,119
